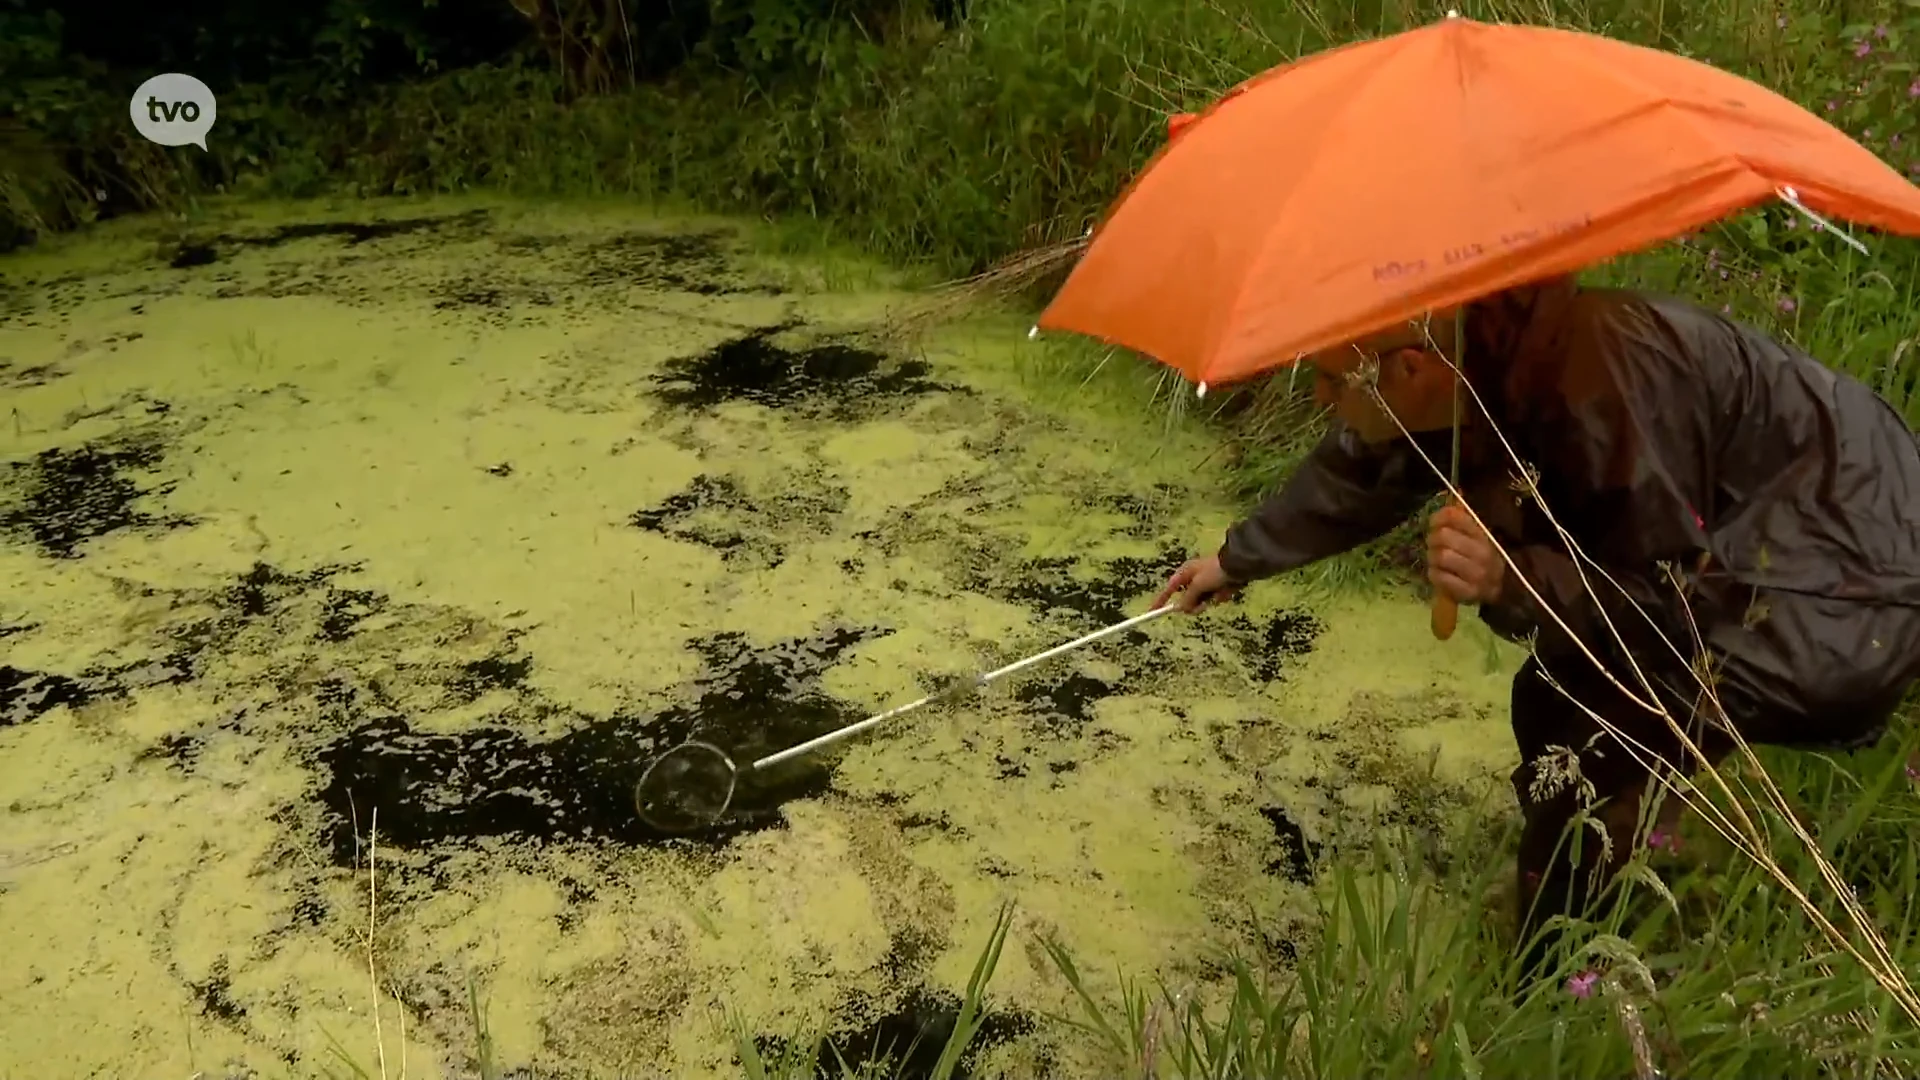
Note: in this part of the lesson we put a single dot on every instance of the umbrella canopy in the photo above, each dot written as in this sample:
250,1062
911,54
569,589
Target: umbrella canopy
1332,197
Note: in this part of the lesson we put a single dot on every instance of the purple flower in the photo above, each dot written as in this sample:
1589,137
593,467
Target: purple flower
1787,304
1662,840
1581,985
1880,31
1913,772
1832,106
1793,223
1863,49
1723,275
1913,90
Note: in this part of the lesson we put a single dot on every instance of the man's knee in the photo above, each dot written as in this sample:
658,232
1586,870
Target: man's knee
1816,671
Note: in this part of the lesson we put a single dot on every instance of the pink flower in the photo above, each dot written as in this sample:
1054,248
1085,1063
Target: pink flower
1864,48
1581,985
1780,21
1727,309
1832,105
1661,839
1880,32
1913,90
1787,304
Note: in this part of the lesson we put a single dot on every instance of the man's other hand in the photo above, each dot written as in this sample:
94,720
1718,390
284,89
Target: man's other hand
1462,560
1199,584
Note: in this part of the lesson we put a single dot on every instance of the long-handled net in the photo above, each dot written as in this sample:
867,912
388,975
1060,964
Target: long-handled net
691,786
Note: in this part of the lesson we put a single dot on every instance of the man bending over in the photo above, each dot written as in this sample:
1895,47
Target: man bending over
1737,500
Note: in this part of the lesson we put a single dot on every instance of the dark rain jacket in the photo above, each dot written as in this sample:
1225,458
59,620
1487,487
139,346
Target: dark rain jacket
1660,434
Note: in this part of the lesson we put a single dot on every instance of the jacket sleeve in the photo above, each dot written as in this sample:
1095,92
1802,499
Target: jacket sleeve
1346,493
1617,598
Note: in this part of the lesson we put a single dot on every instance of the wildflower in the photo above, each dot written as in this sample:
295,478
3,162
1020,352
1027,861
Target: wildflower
1913,772
1787,305
1913,90
1727,309
1793,223
1661,839
1723,275
1780,21
1863,49
1880,32
1581,985
1834,105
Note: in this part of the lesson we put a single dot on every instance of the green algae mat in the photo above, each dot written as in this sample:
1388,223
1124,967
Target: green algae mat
354,559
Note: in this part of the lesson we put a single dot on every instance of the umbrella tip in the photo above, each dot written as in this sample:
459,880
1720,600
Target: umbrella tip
1200,391
1453,13
1033,332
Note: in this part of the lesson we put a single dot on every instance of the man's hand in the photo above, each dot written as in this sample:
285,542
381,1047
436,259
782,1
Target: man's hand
1462,561
1199,584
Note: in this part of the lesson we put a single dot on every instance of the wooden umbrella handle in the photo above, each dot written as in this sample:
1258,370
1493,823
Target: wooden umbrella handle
1446,614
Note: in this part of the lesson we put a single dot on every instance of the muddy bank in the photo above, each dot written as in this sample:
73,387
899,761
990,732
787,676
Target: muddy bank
354,562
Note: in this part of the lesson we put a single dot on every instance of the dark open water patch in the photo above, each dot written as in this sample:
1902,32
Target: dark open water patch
756,369
907,1041
1297,854
715,513
1063,704
215,995
206,250
671,516
62,498
1059,586
1284,637
28,695
702,263
431,789
1061,700
15,376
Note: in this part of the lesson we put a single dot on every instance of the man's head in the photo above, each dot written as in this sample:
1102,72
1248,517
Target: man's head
1413,379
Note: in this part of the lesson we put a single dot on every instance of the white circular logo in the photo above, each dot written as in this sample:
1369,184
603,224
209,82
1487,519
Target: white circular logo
173,110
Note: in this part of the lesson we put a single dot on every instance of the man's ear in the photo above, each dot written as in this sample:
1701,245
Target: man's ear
1400,365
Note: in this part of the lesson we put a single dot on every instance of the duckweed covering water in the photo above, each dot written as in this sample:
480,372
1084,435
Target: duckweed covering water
408,536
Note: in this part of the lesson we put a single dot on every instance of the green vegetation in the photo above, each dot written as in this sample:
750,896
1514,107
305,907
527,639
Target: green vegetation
954,143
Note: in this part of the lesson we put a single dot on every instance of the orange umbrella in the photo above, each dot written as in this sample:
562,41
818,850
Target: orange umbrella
1333,197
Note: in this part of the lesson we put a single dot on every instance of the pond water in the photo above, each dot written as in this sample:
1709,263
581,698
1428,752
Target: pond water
354,559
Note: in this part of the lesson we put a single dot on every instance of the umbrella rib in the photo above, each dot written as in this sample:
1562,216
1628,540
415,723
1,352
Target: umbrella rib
1659,100
1287,207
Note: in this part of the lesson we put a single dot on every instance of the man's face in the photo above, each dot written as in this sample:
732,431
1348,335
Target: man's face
1413,381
